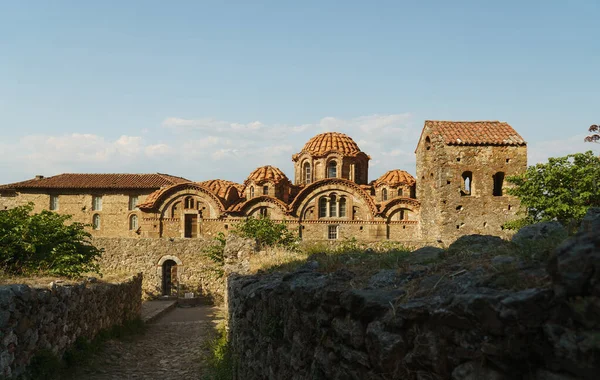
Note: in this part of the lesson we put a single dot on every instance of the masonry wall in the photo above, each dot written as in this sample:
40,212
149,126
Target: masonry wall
32,319
195,271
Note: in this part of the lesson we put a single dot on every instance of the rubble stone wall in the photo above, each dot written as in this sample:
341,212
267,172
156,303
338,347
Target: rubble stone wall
34,319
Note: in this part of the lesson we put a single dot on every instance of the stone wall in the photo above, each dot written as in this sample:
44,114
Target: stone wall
195,271
311,325
33,319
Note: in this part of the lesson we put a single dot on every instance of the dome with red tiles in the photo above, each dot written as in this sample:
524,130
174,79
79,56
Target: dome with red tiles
327,142
267,174
221,187
394,178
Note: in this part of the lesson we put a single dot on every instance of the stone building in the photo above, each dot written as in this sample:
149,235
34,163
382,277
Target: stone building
459,189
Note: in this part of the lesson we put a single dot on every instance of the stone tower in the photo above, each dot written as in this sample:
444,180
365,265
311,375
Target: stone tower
330,155
461,177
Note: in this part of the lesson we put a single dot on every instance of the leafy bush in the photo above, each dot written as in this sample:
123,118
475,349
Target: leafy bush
216,253
266,232
33,243
561,189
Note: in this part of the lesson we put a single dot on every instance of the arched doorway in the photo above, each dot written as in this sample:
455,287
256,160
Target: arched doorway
169,277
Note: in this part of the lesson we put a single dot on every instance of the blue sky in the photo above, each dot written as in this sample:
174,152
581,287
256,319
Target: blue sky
207,89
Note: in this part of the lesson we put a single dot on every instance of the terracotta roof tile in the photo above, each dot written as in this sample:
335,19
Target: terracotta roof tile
267,174
220,187
474,132
98,181
331,142
395,177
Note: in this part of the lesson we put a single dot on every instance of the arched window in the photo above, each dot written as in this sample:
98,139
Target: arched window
251,191
189,202
467,178
133,222
332,169
332,206
384,195
96,221
322,207
356,173
307,173
400,192
266,190
498,183
175,210
342,205
427,143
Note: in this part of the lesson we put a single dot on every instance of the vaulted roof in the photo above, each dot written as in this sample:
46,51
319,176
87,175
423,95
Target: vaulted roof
221,187
329,142
474,132
98,181
267,174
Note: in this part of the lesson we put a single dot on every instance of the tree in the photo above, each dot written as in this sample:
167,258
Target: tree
595,136
34,243
266,232
561,189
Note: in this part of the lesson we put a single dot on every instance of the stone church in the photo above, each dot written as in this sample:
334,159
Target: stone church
459,189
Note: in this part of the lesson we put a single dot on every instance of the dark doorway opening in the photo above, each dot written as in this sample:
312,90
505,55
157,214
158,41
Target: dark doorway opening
191,225
169,277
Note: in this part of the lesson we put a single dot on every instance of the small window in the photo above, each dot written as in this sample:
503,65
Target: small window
97,203
322,207
54,202
384,195
357,175
189,203
403,214
133,222
265,190
400,192
342,205
307,173
133,202
96,221
332,170
251,191
263,212
332,206
332,232
427,143
175,210
498,183
467,188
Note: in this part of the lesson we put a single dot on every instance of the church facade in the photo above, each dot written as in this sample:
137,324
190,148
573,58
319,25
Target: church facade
459,189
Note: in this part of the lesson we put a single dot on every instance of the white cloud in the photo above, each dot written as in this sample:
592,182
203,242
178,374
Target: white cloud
540,151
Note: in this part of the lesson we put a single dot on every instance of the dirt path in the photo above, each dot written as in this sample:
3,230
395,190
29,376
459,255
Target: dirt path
173,347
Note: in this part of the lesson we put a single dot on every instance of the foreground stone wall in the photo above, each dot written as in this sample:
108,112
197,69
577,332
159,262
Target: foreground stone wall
33,319
195,271
310,325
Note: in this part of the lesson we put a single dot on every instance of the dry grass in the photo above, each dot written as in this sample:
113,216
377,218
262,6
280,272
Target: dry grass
41,280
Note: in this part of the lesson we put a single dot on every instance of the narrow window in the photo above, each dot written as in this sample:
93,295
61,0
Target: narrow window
400,192
263,212
251,191
357,175
332,206
133,222
403,214
189,202
265,190
384,195
96,222
332,233
342,207
54,202
498,183
322,207
133,202
467,183
332,170
427,143
96,203
174,210
307,173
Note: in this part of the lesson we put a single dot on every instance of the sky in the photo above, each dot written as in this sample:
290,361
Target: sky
214,89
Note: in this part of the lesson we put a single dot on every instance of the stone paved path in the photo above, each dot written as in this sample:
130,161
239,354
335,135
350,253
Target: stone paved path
173,347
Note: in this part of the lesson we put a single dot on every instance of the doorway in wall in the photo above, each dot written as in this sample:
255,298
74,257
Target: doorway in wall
191,225
169,277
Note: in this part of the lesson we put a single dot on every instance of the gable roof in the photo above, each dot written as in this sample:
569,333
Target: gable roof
97,181
474,132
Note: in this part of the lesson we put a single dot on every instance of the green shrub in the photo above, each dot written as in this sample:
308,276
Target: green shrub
36,243
266,232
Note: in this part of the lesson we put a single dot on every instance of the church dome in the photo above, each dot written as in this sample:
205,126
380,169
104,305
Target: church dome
328,142
221,187
394,178
267,174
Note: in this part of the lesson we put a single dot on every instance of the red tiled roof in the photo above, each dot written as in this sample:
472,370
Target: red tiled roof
474,132
98,181
267,174
395,177
220,187
328,142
